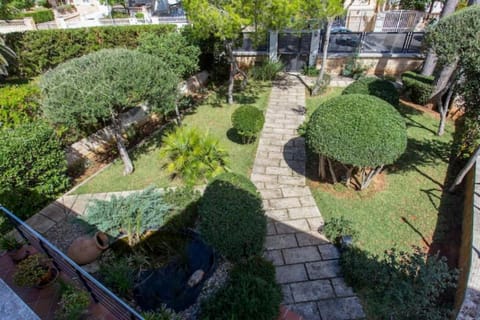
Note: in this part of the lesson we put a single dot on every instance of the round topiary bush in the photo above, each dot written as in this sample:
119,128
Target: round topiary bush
232,219
358,130
382,89
248,121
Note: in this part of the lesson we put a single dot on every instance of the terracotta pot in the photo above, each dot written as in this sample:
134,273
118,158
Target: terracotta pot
49,278
85,250
21,253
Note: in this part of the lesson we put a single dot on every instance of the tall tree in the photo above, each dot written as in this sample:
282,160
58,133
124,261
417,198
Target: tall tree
455,40
431,59
99,87
323,12
226,19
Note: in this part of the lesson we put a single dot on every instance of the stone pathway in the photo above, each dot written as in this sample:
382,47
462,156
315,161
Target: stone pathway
306,262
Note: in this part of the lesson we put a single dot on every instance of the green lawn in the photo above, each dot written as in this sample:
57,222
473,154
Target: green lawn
213,116
404,208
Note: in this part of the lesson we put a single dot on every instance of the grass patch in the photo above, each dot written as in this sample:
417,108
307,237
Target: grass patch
403,209
213,116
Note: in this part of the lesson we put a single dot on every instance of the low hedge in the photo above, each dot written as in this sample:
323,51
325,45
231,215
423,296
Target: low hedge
40,16
248,121
39,51
418,87
382,89
251,293
232,219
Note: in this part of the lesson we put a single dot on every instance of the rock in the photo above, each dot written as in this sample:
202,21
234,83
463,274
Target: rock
91,267
195,278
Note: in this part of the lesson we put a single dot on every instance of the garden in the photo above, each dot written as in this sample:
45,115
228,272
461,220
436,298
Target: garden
152,235
185,234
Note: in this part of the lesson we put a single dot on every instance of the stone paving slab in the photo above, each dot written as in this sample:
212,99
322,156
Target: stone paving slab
307,264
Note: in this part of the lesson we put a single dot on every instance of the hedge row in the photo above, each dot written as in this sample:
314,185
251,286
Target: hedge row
382,89
39,51
40,16
417,86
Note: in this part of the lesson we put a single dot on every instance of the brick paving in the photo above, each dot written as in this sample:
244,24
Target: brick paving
306,262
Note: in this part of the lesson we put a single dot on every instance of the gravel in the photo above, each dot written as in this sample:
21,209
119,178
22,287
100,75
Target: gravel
65,231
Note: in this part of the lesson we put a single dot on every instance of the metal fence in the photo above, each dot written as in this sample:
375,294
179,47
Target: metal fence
299,43
99,293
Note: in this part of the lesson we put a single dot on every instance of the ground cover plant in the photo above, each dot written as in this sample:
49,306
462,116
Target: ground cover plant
211,116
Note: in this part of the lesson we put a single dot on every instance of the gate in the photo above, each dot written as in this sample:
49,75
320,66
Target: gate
397,21
294,49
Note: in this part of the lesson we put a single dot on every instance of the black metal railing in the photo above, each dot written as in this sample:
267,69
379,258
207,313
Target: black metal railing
99,293
290,43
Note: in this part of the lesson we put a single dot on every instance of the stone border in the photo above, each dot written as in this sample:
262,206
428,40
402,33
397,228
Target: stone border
470,307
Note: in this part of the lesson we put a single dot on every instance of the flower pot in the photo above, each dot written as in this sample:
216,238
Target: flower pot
20,253
49,278
85,250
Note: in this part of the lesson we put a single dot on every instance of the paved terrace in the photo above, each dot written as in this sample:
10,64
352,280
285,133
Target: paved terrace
307,263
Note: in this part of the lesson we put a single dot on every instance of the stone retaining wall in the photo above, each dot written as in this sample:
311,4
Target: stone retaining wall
468,293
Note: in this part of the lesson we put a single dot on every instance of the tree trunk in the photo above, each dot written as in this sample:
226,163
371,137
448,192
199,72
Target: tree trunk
431,59
448,8
465,170
332,172
326,41
429,63
442,81
349,176
443,110
122,150
321,167
179,117
231,78
368,178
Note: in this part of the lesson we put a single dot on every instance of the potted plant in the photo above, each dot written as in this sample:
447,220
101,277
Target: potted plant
73,303
35,271
16,250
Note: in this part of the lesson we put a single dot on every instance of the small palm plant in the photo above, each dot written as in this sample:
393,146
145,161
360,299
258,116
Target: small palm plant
193,156
7,56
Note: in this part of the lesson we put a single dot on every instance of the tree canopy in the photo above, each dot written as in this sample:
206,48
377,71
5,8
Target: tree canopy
98,87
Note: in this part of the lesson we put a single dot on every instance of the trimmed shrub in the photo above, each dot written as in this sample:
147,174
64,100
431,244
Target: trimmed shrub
39,51
382,89
248,121
257,267
400,285
418,87
18,104
232,217
244,297
335,228
192,156
358,130
40,16
32,168
267,71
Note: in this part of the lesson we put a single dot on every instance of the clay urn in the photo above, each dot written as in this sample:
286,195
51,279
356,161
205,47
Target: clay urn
85,250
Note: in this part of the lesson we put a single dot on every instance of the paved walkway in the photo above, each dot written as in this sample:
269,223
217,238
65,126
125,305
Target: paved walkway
306,262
